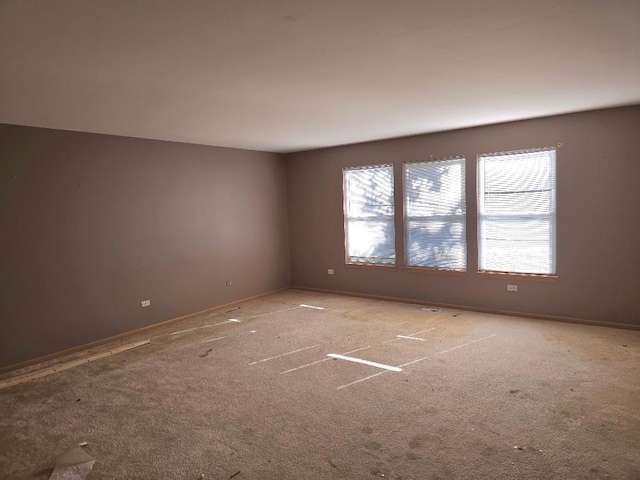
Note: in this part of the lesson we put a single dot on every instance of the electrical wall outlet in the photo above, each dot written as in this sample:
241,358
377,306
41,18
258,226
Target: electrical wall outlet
229,283
145,303
330,271
512,288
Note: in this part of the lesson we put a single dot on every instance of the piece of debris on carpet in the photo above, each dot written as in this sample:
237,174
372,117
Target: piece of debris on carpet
73,465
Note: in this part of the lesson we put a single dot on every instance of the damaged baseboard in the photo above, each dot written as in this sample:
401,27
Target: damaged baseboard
128,334
66,366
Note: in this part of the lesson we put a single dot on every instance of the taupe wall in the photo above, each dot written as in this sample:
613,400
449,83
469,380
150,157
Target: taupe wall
92,224
598,217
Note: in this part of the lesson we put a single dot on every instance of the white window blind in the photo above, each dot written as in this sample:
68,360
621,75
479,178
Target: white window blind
435,214
369,215
517,211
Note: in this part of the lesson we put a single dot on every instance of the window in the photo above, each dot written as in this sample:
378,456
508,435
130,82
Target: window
369,215
435,211
517,211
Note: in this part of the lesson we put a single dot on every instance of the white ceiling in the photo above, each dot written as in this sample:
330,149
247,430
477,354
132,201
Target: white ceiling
290,75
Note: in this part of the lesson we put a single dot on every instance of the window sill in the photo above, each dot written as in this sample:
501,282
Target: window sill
519,276
437,271
371,266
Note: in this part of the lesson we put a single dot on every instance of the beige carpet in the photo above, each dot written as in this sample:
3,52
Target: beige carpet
478,396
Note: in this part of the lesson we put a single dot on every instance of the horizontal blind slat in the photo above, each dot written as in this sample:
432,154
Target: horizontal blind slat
436,214
516,224
369,212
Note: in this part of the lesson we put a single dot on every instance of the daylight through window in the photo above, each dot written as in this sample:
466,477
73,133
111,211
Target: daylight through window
517,211
369,215
435,223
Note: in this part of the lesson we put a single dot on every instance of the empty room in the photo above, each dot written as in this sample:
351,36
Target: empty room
347,239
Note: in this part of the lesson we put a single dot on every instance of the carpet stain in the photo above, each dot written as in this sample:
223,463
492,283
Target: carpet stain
206,354
373,445
418,441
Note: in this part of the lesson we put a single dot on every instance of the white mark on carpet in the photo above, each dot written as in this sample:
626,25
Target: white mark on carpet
411,335
448,350
320,361
469,343
410,338
304,305
283,355
216,338
362,380
418,360
365,362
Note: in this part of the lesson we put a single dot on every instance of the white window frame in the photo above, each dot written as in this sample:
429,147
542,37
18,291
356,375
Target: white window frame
390,217
462,217
551,216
